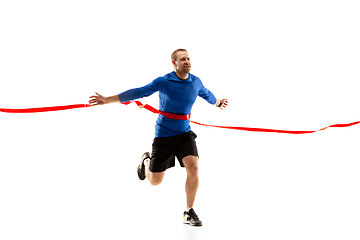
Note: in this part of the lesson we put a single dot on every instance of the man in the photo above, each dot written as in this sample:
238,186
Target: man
173,136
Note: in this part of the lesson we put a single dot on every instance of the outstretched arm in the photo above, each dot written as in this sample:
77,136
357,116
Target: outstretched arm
222,104
101,100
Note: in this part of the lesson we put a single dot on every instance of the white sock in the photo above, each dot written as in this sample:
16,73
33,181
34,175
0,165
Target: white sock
188,209
148,159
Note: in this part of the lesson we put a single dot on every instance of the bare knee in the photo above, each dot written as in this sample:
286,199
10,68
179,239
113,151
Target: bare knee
156,178
193,172
192,166
155,182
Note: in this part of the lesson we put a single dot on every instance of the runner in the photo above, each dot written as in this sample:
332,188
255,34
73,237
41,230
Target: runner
178,91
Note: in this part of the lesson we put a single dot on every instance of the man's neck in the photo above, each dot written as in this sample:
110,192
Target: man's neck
182,76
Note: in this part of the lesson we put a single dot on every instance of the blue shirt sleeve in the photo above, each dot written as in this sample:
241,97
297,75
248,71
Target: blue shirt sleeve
207,95
141,92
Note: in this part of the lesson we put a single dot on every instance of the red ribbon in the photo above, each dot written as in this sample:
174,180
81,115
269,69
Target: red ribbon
172,116
187,117
166,114
44,109
275,130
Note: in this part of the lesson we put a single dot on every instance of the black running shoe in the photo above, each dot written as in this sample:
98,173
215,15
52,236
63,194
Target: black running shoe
141,167
191,218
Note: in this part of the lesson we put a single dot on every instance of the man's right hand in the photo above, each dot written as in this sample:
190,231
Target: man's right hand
101,100
97,100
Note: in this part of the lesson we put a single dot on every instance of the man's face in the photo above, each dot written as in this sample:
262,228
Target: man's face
182,63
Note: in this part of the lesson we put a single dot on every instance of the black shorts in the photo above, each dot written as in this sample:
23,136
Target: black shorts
165,149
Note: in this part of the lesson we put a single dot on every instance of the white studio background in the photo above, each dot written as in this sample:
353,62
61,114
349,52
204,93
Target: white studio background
290,65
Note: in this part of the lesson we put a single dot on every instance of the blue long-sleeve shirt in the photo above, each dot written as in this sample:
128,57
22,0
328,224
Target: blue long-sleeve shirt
176,96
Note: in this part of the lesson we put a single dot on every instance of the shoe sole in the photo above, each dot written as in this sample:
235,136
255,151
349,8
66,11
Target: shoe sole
141,176
193,225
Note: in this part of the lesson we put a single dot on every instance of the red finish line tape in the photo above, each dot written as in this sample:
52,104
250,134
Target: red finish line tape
154,110
173,116
275,130
44,109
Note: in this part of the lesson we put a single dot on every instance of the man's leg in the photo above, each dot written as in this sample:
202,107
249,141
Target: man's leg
191,187
143,170
155,178
192,181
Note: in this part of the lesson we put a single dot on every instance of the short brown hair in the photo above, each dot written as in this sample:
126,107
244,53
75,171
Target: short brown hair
174,54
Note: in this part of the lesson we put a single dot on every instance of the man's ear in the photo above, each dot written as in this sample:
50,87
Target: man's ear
174,64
